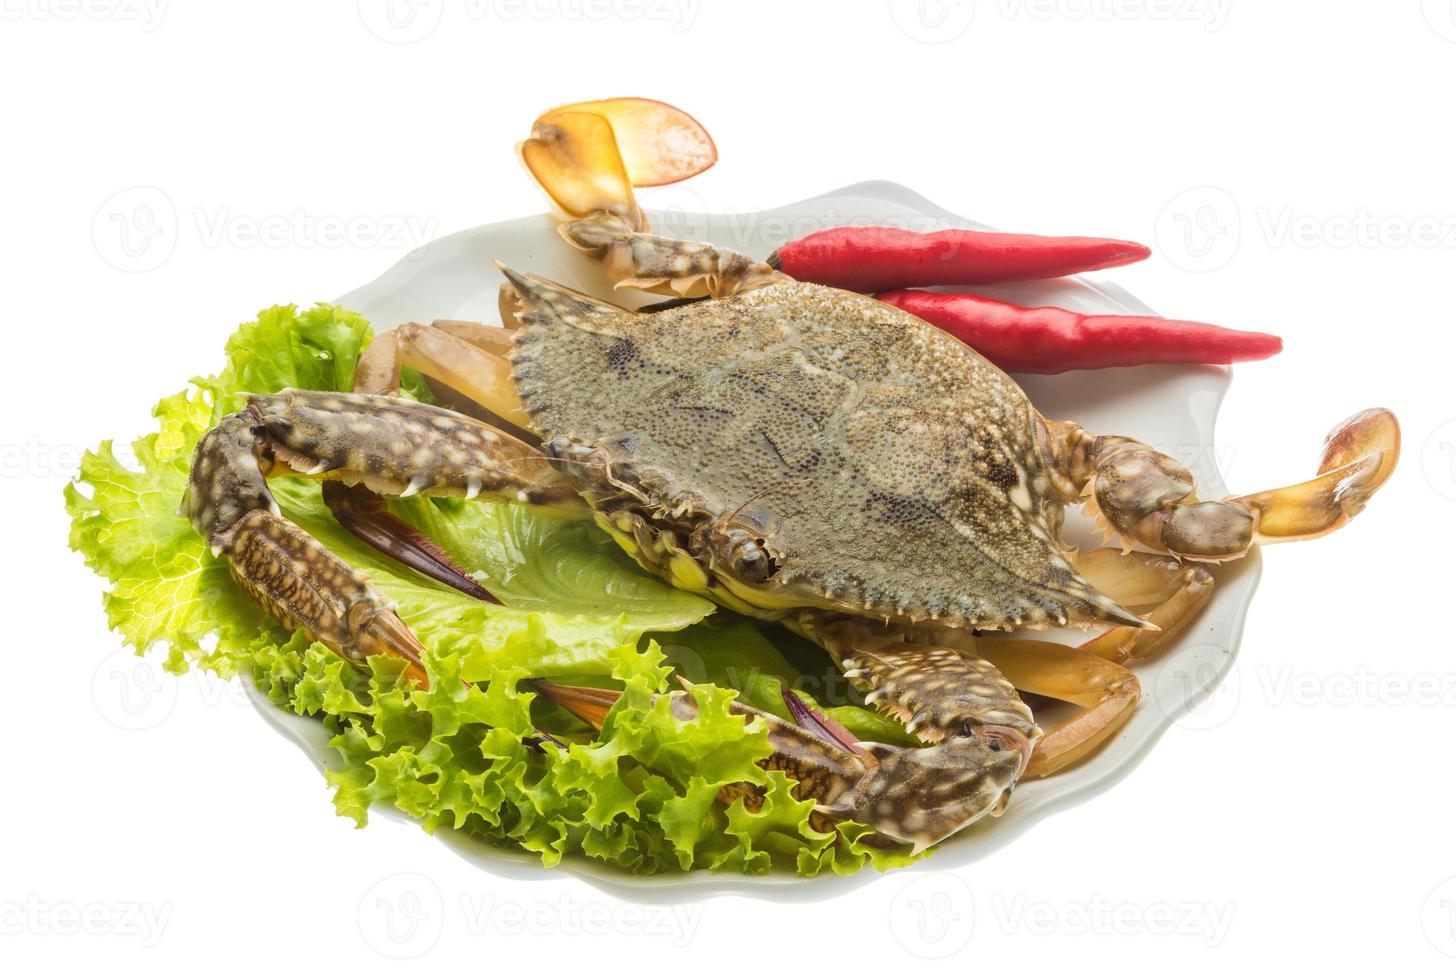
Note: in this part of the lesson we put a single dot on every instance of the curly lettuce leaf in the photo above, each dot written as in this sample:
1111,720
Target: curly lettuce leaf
165,586
641,795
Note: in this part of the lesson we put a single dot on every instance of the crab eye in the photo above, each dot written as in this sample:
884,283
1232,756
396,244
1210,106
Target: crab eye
753,563
747,555
999,738
750,559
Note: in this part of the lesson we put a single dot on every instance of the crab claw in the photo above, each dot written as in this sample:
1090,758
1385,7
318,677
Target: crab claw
916,797
298,581
923,795
305,586
826,769
807,717
588,156
362,513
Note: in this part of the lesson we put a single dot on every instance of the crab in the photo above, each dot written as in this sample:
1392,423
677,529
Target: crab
796,453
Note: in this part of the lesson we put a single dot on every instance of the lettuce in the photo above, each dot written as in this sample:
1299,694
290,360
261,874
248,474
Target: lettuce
640,795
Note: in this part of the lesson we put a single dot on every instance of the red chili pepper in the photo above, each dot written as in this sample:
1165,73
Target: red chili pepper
1049,340
870,259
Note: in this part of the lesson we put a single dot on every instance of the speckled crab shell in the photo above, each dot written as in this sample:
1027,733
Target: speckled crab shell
799,446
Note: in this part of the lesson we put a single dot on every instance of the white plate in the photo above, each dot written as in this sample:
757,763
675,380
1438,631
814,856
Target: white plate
1170,407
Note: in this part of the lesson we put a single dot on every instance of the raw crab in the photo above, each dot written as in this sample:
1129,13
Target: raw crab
797,453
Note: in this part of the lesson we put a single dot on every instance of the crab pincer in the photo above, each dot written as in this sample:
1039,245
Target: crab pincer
366,444
910,796
363,514
298,581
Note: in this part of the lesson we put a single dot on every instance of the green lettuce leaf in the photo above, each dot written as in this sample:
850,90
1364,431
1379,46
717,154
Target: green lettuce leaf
640,795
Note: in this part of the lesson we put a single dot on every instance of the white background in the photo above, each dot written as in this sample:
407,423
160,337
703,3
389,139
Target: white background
1290,162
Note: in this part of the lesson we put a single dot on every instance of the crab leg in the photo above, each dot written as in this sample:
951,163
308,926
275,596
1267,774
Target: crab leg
666,266
959,702
467,367
401,448
387,445
1106,691
949,690
292,576
1148,498
912,796
936,691
588,156
825,766
1177,591
469,358
1092,676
